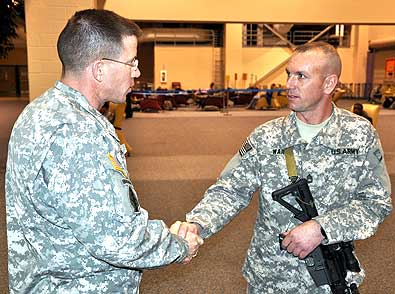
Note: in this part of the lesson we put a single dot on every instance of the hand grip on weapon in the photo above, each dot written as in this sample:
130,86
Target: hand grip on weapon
190,232
302,239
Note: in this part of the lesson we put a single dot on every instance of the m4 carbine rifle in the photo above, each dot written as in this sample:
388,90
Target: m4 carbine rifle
327,264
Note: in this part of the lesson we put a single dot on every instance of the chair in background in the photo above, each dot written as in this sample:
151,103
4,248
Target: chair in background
244,98
372,110
275,103
217,100
119,111
181,99
164,100
279,101
151,104
176,85
261,103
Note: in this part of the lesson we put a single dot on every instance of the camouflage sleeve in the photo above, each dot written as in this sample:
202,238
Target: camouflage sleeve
370,204
230,194
85,193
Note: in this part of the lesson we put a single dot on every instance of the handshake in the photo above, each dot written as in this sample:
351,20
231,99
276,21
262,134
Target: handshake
190,232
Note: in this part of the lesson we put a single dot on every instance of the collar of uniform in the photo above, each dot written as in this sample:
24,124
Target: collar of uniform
73,94
328,136
291,136
76,97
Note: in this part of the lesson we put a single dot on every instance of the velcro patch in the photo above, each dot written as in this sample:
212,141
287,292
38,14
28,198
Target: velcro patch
245,148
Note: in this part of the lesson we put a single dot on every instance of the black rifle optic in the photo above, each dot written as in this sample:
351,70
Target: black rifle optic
327,264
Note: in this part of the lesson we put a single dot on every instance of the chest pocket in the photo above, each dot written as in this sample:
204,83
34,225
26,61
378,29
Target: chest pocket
344,164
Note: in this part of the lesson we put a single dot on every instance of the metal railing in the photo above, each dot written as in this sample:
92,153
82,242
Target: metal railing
252,37
362,90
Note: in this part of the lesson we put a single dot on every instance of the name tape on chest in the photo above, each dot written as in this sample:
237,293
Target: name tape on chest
345,151
337,151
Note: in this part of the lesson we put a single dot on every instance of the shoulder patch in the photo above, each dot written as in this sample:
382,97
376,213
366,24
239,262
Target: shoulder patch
116,165
246,147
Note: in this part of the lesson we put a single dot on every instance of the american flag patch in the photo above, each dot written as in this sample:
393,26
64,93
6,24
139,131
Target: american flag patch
245,148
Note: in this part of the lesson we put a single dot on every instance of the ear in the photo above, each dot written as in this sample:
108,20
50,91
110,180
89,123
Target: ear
98,70
330,83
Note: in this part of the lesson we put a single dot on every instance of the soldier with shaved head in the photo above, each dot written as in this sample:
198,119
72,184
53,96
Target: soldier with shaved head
345,169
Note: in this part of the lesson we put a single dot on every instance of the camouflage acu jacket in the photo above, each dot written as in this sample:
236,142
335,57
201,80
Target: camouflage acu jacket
74,223
350,186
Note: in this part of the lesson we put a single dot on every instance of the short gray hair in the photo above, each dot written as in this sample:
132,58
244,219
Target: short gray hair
90,35
334,62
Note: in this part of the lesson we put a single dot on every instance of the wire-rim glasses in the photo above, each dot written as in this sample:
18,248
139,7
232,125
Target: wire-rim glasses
133,64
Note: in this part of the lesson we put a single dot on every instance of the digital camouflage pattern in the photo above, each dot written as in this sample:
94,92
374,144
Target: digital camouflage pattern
350,185
74,223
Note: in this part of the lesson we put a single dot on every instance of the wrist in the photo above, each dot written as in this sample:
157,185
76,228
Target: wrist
321,230
199,228
323,233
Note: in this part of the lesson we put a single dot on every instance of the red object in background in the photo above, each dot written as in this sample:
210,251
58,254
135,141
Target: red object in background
389,68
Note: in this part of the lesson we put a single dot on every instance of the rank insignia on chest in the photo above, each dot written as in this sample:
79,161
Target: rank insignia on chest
245,148
116,165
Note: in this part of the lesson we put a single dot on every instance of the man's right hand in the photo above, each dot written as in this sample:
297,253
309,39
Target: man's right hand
302,239
190,232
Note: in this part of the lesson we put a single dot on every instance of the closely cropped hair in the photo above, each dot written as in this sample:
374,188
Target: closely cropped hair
90,35
334,60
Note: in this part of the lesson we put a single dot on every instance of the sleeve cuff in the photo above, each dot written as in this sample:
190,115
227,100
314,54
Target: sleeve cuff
183,248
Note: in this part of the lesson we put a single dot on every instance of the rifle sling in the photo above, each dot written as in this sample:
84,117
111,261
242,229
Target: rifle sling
291,164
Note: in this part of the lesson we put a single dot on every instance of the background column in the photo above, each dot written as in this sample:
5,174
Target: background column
44,21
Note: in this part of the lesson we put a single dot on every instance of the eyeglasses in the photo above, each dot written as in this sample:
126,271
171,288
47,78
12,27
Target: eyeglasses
133,64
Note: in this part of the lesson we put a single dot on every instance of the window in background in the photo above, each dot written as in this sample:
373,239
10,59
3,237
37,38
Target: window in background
259,35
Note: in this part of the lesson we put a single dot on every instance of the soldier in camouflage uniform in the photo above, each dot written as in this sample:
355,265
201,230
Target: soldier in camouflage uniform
350,183
74,222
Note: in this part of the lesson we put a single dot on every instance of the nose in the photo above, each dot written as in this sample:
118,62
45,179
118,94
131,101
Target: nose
291,82
135,73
